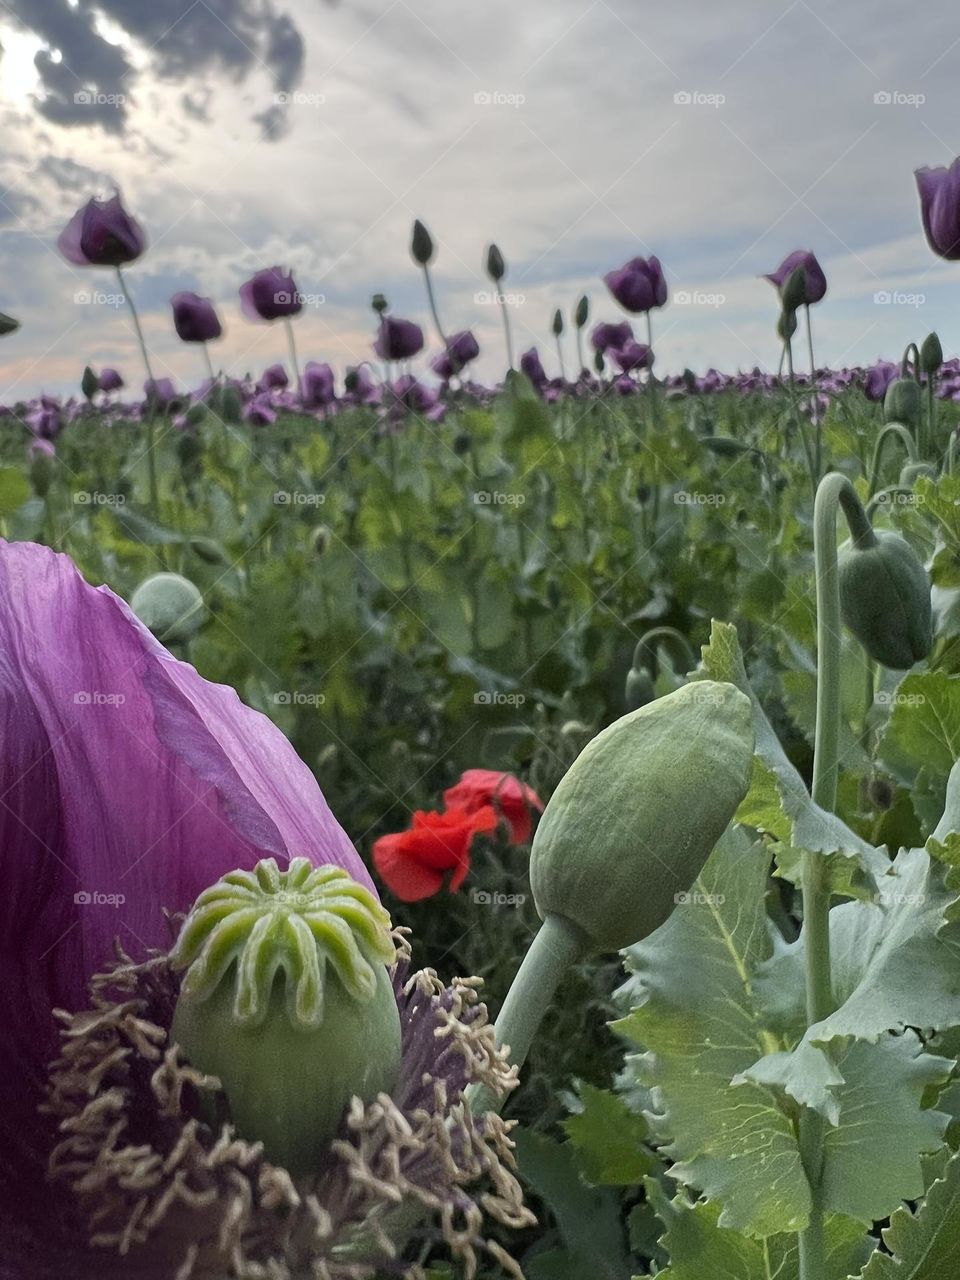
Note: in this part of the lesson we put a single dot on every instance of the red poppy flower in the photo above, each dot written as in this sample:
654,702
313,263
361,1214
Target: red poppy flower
413,863
510,797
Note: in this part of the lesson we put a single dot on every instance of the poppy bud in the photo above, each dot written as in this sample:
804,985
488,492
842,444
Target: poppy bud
931,354
89,383
885,598
639,690
786,325
902,402
496,267
582,313
8,325
379,304
598,362
170,605
635,818
421,245
287,1000
557,323
794,292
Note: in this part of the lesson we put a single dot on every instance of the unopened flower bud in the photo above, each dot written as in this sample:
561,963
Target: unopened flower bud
496,267
638,813
287,1000
421,244
379,304
170,605
557,323
89,383
786,325
931,354
902,402
582,313
885,598
794,292
8,325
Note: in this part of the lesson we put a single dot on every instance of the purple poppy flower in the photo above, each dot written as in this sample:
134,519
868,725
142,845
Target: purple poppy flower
814,279
398,339
130,785
194,318
110,380
161,390
45,420
259,412
530,364
317,386
605,336
417,398
461,349
41,448
878,379
360,386
639,285
940,209
273,379
270,295
632,355
102,234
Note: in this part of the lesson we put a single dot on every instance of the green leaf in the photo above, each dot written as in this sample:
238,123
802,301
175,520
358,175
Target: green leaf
14,491
588,1217
610,1139
696,1013
923,730
924,1245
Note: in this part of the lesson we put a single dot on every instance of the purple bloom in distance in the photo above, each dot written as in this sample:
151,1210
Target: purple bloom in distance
398,339
102,234
878,379
814,279
273,379
605,336
639,285
461,349
632,355
940,209
531,365
110,380
270,295
317,386
195,318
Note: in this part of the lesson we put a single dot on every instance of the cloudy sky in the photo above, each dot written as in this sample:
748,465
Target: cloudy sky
576,134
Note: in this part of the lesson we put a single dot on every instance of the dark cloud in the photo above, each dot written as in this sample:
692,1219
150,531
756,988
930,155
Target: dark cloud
69,176
93,80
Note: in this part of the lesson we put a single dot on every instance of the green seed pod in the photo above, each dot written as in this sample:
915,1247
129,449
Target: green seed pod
582,313
636,816
496,267
421,245
170,605
89,383
902,402
911,472
287,1000
8,325
786,325
639,690
931,354
557,323
793,295
885,599
379,303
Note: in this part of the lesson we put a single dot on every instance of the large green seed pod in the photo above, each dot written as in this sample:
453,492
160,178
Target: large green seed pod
287,999
902,402
885,599
170,605
627,831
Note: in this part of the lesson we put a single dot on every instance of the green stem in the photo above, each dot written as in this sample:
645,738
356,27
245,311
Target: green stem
835,491
209,362
646,648
506,330
433,307
798,417
558,946
906,439
151,402
931,412
293,355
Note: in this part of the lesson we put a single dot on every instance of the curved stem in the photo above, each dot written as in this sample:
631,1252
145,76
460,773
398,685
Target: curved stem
906,439
557,946
674,640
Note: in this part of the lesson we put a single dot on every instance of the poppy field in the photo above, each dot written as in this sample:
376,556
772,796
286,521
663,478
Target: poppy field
464,830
